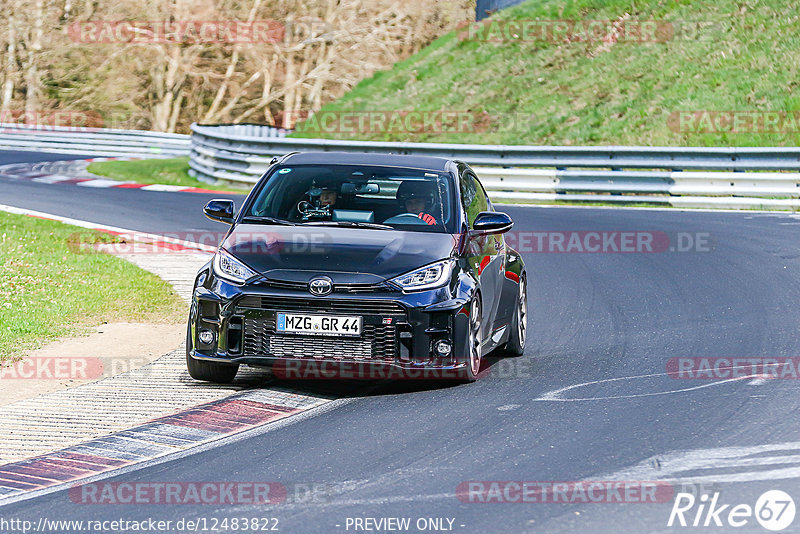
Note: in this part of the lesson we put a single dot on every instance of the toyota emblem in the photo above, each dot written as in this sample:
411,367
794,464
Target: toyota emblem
320,286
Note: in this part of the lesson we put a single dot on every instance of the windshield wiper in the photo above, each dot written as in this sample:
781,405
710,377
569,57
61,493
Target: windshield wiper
351,224
270,220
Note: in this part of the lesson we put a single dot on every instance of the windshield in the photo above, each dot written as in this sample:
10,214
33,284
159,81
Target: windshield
358,195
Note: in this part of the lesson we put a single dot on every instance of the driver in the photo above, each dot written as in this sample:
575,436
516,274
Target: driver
418,197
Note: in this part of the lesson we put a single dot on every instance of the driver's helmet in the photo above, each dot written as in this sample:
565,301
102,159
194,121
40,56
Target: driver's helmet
417,189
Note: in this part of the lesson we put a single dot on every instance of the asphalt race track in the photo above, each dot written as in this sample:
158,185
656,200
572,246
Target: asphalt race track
12,156
603,325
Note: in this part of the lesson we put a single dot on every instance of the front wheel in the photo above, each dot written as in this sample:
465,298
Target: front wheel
473,341
516,338
219,373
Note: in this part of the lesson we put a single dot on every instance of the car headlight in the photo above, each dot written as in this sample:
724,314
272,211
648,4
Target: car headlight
433,275
229,268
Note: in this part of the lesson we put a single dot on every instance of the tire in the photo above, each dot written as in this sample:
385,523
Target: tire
515,346
219,373
473,341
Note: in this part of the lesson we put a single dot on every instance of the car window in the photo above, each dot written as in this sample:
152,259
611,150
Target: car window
482,191
473,197
406,199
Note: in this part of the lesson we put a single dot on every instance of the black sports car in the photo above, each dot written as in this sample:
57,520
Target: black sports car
358,265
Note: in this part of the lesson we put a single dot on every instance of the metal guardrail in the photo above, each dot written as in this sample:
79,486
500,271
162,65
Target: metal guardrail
93,141
688,177
744,177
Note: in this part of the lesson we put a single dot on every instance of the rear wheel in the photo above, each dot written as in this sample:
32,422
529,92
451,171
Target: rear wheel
473,341
516,338
220,373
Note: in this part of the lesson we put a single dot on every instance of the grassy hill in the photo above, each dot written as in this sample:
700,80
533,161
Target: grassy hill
719,56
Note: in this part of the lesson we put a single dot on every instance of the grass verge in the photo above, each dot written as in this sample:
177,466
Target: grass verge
173,171
50,289
721,56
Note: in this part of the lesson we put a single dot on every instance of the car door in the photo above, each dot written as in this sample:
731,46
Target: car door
486,254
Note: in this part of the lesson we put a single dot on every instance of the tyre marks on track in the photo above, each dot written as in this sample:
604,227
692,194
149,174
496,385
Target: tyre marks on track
773,461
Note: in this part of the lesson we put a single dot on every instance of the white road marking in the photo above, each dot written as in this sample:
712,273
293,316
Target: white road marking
164,187
556,395
102,183
52,179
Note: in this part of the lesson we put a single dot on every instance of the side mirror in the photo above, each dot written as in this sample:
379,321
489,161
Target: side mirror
220,210
491,222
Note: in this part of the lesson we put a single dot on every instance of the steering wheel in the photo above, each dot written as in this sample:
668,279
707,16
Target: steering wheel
405,218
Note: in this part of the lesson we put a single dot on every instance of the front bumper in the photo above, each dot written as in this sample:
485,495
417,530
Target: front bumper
398,334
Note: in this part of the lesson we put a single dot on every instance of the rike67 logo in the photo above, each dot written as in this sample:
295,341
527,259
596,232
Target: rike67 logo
774,510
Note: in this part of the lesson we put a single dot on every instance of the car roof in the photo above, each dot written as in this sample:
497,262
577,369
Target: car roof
364,158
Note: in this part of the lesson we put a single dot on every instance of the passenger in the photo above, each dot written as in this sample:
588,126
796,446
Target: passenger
318,202
328,196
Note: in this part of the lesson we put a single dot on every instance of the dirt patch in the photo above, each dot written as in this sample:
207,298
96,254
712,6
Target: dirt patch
109,350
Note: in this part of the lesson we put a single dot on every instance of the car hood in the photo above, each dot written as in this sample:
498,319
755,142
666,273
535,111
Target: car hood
346,255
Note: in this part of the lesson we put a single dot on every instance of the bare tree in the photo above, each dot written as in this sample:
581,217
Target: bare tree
10,70
34,47
166,84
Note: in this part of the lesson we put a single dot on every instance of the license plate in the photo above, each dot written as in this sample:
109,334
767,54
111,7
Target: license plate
318,325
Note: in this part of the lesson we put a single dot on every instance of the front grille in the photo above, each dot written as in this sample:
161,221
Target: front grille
298,347
317,305
377,342
337,288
